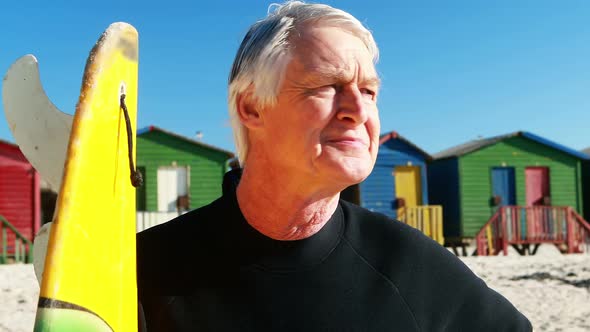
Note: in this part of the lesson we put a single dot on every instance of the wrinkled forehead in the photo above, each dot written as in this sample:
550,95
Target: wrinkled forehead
330,49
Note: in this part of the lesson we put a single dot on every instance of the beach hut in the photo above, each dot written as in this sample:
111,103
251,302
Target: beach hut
534,179
19,203
397,186
179,174
586,183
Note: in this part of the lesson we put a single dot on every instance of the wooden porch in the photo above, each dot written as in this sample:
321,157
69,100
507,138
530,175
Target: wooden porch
525,228
14,247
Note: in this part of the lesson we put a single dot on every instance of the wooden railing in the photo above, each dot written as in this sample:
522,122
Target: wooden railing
519,225
16,246
490,239
580,242
426,218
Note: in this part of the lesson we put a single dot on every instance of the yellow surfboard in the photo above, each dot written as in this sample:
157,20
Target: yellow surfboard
89,282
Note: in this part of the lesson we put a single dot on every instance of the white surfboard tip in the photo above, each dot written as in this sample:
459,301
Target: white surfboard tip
25,60
38,127
28,62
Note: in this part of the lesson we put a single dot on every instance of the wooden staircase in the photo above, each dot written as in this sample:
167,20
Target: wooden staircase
14,247
525,228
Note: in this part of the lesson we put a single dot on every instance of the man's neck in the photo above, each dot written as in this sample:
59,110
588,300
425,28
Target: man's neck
282,207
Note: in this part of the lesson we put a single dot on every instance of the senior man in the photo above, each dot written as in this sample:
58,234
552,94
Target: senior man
279,251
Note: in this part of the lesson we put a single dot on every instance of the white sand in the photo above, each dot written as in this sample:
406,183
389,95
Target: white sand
19,293
553,290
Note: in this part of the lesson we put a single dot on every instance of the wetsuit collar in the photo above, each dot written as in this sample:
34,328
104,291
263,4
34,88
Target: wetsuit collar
260,251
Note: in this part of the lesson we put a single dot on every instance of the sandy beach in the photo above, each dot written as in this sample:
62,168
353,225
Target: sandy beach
19,292
551,289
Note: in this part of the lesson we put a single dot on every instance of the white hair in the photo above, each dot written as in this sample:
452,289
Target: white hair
262,58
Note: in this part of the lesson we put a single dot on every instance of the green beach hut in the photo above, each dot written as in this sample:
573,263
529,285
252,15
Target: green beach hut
586,183
179,174
471,181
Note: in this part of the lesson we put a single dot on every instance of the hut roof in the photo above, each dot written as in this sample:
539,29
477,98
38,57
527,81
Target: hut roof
7,142
586,151
149,129
472,146
12,151
395,135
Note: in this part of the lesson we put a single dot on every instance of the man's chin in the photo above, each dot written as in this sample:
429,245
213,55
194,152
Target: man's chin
350,174
345,169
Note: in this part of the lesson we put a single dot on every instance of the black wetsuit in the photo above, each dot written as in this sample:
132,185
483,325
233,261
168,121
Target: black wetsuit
209,270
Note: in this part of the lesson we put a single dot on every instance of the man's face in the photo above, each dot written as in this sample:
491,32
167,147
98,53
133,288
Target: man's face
325,124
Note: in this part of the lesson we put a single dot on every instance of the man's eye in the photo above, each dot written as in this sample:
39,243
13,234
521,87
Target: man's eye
368,92
330,88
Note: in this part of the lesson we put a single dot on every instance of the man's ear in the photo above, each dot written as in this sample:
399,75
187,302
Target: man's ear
249,112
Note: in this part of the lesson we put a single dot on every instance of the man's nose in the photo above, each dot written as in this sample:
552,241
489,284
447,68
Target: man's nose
351,105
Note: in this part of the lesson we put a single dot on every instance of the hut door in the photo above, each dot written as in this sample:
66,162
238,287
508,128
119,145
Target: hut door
172,183
407,187
537,186
503,186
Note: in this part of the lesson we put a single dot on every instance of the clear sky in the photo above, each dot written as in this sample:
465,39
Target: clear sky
451,70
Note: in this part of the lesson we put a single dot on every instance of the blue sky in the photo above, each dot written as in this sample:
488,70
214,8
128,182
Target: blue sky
451,70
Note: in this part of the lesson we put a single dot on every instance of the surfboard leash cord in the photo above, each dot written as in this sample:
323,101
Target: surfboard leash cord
136,177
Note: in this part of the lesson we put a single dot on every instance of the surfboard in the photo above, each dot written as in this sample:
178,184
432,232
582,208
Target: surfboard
89,282
40,129
41,132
